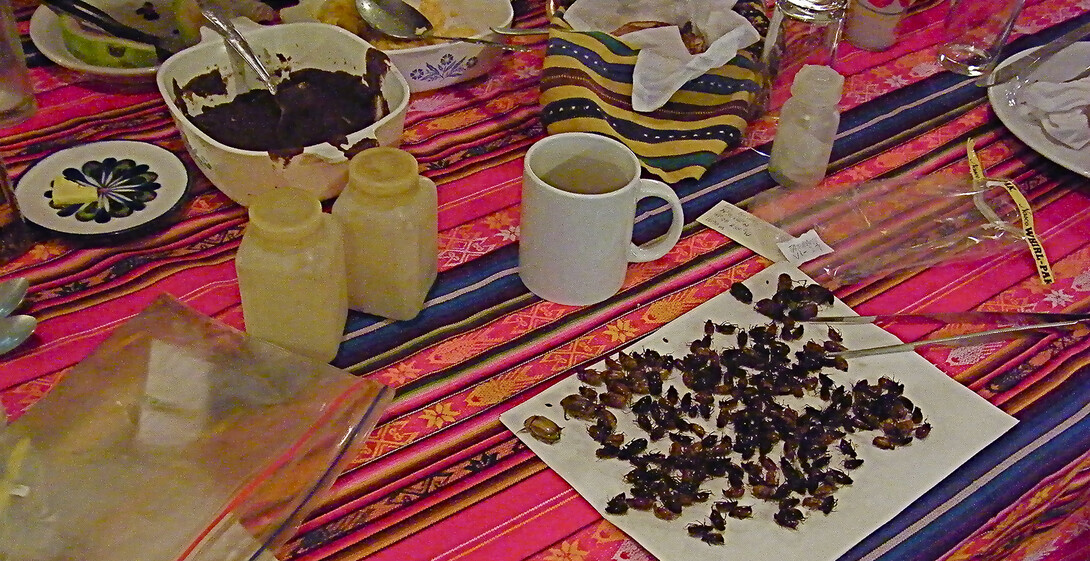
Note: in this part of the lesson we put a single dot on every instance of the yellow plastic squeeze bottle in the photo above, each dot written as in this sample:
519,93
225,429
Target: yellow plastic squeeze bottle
291,274
390,218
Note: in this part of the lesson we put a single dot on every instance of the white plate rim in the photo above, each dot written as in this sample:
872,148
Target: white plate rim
1030,132
174,180
45,33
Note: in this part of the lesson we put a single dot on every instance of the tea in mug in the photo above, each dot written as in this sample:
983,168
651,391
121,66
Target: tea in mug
585,175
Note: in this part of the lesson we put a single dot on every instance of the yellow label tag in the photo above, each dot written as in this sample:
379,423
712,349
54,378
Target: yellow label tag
1025,213
975,169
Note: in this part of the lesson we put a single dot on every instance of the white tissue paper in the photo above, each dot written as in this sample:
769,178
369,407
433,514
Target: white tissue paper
1063,110
663,64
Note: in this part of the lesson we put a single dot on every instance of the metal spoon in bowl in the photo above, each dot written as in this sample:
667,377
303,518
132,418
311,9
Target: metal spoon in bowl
237,43
520,31
297,104
12,292
395,18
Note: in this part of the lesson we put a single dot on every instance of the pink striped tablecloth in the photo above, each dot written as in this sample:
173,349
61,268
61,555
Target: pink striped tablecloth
440,477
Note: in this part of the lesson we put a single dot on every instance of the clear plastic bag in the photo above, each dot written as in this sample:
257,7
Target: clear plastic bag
178,439
881,227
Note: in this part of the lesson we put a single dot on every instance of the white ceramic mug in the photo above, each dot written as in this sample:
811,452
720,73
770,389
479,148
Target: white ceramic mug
579,194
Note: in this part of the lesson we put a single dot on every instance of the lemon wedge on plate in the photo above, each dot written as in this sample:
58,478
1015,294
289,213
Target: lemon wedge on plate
66,192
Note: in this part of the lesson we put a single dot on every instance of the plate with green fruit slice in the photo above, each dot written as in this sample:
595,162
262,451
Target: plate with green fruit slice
79,46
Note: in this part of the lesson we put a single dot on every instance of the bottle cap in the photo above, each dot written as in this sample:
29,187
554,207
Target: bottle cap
383,171
285,214
821,84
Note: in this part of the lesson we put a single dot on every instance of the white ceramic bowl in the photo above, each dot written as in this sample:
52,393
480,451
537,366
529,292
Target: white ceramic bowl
242,174
435,66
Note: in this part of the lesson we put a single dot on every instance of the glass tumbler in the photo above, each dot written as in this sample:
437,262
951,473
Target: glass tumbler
800,33
15,237
16,92
975,33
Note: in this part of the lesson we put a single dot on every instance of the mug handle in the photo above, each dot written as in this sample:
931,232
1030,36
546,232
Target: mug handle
657,248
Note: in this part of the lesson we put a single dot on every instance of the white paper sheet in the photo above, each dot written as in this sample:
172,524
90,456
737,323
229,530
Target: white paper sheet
963,424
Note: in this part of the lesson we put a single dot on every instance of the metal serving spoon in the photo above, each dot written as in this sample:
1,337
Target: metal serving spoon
237,43
14,330
399,20
296,103
520,31
12,292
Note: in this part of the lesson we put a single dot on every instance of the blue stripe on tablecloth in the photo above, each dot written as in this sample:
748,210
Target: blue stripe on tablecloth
495,277
1052,433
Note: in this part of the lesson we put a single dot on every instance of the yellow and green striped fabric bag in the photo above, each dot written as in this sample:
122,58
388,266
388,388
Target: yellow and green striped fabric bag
587,86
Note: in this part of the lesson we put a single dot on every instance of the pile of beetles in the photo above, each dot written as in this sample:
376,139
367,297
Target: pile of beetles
731,434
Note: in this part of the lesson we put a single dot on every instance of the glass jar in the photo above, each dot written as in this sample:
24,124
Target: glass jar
15,238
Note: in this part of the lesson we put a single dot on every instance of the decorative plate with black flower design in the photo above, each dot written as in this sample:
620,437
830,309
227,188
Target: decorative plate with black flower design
110,187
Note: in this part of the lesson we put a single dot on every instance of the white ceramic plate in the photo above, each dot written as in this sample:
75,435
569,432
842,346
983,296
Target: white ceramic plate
45,33
1065,64
138,184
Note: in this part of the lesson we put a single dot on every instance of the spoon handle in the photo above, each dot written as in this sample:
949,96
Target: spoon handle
520,31
238,43
504,46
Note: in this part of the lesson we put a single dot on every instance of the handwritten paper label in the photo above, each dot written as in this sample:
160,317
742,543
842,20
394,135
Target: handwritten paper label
746,229
804,248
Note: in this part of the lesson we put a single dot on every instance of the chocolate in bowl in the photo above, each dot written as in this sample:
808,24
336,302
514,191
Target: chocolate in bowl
319,168
311,106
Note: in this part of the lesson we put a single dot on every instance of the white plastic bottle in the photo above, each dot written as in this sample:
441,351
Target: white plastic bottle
808,123
291,273
390,217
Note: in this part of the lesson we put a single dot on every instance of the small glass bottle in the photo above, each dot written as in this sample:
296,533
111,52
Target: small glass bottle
808,123
15,238
291,274
390,216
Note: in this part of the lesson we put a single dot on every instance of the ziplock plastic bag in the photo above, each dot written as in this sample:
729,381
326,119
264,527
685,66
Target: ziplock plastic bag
178,439
881,227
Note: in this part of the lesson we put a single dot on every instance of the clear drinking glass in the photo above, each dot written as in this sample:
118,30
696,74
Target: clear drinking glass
975,33
16,92
800,32
15,238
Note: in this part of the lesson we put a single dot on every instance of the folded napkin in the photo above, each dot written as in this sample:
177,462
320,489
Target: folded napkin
1063,109
597,82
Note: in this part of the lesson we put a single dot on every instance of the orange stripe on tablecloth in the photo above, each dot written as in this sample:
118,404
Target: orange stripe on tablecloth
110,274
462,244
362,495
598,540
543,491
63,341
387,536
430,463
